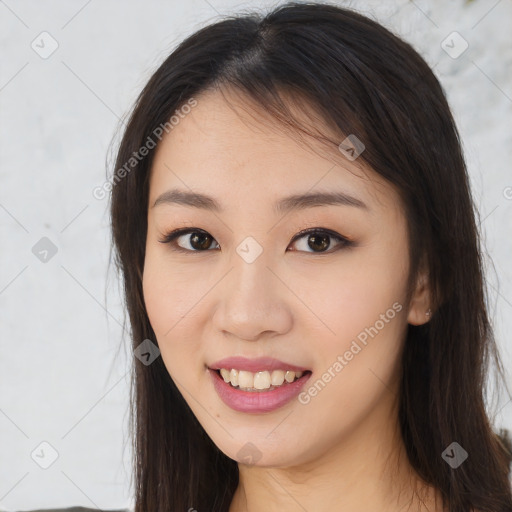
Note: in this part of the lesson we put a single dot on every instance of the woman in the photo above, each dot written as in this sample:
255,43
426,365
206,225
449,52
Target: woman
292,219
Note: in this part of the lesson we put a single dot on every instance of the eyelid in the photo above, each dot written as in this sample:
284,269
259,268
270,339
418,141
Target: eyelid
170,238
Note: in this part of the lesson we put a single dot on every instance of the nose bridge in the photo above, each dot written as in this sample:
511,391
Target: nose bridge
253,301
252,287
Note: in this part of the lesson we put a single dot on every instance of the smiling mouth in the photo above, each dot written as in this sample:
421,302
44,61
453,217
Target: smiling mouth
259,381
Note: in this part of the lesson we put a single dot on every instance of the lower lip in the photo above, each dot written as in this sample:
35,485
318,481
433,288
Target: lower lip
256,401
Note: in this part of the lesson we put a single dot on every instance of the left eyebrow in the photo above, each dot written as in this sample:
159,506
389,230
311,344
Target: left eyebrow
303,201
284,205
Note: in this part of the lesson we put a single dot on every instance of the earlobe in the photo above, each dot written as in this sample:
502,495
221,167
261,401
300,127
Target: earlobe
419,307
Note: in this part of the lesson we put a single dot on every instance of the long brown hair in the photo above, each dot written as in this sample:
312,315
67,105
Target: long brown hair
363,80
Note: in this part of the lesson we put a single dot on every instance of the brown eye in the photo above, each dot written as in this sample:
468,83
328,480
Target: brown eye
319,240
198,240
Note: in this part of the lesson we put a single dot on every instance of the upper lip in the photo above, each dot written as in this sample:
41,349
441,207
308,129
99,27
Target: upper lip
255,365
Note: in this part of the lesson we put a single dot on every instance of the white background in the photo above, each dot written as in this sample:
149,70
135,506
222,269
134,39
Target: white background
63,363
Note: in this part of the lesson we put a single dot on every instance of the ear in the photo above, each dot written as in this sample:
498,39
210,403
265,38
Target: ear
419,306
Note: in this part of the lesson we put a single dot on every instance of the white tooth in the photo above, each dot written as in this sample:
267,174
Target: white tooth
277,377
289,376
233,377
262,380
259,380
245,379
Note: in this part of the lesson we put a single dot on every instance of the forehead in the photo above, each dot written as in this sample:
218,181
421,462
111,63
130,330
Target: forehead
229,148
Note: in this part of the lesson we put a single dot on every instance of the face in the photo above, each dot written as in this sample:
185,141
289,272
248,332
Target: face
241,281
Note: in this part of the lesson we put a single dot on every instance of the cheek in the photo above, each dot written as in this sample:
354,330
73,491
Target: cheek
364,310
357,367
172,302
352,296
369,330
170,292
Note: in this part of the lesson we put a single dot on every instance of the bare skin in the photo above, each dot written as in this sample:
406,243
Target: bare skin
341,450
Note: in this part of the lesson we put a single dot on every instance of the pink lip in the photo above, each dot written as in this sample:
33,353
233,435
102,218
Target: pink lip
255,365
256,401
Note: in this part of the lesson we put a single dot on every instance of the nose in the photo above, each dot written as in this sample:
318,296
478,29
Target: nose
252,301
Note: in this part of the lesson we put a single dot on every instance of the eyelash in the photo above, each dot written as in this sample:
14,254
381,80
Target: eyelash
170,238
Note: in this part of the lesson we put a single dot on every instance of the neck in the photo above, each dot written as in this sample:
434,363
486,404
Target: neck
367,470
